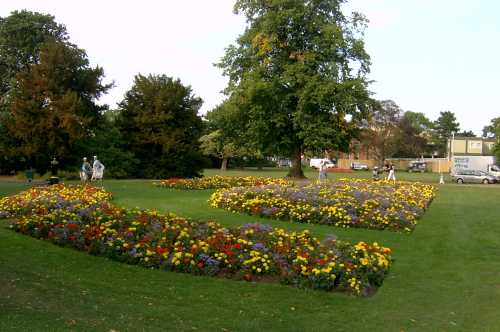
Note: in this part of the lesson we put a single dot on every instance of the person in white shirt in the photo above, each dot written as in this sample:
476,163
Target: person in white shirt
392,175
322,170
97,170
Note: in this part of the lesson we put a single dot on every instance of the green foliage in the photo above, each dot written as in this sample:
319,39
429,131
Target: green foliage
22,35
445,126
493,129
108,143
296,72
419,122
410,141
53,105
159,121
466,133
383,129
226,138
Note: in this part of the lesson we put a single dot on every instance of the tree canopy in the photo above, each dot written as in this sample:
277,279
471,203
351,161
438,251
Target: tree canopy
160,123
444,127
52,106
224,138
382,130
295,74
22,35
493,129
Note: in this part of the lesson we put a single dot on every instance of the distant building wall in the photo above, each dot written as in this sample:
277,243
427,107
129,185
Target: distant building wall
477,146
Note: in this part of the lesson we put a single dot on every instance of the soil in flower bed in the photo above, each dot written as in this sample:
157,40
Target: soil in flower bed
83,218
344,203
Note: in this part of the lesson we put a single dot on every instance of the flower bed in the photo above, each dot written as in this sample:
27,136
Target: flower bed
345,203
165,241
217,181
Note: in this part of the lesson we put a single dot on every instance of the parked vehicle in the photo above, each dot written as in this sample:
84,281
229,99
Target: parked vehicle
417,166
359,167
472,176
476,163
314,163
284,163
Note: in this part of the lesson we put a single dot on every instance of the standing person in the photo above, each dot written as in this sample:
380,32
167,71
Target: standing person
97,170
392,175
322,170
29,174
86,171
375,176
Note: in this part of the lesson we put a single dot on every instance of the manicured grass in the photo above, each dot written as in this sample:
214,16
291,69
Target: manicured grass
446,277
313,174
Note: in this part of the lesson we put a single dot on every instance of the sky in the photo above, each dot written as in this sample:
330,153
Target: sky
427,55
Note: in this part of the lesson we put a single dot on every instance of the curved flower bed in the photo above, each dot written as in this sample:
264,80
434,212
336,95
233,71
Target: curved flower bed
165,241
346,203
42,200
217,181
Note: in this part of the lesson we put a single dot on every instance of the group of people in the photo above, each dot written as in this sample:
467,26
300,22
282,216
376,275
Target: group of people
91,173
390,168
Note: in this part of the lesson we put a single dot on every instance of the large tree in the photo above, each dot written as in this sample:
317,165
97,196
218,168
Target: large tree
382,131
22,35
225,137
410,140
419,122
444,128
159,120
53,105
491,130
296,73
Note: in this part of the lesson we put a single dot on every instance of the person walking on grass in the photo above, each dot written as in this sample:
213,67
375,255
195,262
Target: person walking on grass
392,175
86,171
322,170
97,170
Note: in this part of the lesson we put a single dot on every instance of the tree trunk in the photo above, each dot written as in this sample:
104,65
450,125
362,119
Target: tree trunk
223,166
259,164
296,169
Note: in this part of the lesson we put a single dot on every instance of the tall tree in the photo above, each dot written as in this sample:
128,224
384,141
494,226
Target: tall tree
492,129
22,35
296,72
466,133
223,138
382,131
419,122
53,105
159,119
410,140
445,126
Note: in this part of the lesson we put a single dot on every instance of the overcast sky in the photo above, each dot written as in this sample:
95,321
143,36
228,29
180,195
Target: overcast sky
427,55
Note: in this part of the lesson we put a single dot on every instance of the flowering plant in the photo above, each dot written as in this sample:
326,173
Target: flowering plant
345,203
82,217
217,181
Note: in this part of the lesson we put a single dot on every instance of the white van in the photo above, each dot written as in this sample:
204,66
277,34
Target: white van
315,162
475,163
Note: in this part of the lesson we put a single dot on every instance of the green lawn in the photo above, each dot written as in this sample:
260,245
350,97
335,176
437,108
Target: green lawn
446,276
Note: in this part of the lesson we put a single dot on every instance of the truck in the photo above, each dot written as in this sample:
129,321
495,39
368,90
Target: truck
475,163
